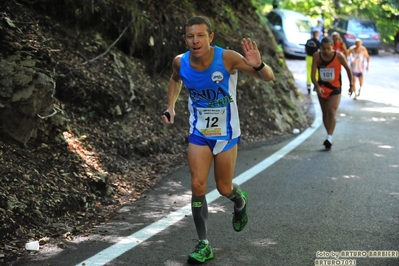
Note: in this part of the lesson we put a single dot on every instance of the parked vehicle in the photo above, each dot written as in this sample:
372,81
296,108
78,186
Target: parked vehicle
397,42
291,30
351,28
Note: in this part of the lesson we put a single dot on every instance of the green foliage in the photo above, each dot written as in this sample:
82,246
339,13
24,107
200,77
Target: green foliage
394,3
384,12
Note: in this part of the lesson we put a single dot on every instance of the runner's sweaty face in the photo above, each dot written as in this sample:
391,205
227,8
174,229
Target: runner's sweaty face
198,39
326,49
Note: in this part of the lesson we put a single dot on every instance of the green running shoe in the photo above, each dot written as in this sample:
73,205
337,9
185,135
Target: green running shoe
240,218
201,253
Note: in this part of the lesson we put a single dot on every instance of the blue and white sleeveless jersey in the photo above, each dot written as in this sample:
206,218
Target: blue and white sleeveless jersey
212,98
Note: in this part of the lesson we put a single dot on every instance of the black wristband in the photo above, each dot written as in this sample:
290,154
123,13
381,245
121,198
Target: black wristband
259,67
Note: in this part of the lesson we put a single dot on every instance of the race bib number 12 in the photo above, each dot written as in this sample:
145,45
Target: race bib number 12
212,121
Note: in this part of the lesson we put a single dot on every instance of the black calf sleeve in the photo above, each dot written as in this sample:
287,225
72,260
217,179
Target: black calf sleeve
236,197
199,209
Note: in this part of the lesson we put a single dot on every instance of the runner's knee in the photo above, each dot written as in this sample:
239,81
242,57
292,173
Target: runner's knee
198,186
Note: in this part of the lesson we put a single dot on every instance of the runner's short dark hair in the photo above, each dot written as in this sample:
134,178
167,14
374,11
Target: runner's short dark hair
327,39
200,20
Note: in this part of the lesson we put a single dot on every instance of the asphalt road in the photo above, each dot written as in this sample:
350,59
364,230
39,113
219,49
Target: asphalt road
305,204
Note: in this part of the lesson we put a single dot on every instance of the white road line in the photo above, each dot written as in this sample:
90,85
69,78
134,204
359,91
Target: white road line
139,237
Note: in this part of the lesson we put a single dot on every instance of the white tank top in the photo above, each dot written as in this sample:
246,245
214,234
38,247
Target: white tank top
357,61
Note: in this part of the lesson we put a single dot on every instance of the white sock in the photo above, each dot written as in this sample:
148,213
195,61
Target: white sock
330,138
240,209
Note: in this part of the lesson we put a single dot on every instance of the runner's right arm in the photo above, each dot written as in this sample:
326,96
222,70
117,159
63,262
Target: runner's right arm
174,88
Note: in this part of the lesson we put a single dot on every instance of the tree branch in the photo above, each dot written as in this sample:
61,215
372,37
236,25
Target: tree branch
109,48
